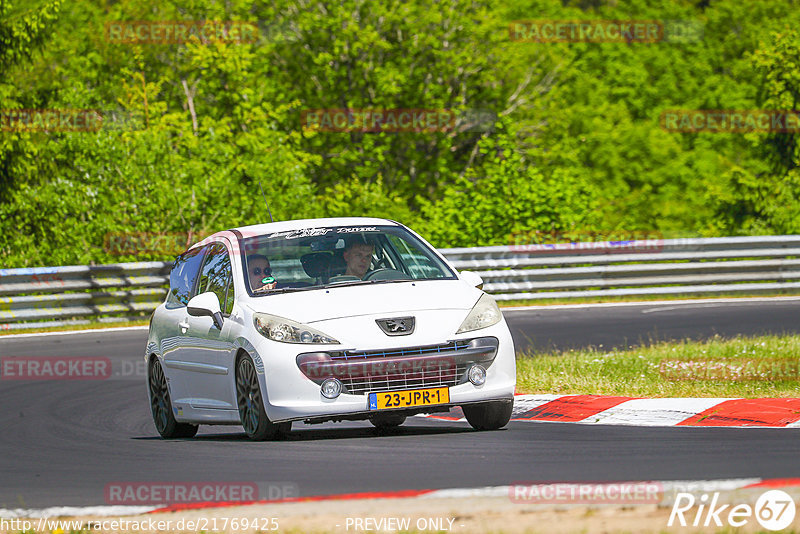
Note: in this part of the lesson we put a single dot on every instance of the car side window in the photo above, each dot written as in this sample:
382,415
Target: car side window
418,262
216,276
183,276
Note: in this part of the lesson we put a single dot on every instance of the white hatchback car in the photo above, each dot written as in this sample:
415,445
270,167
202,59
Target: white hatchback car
324,320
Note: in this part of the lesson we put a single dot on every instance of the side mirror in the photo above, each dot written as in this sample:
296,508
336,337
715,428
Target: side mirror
206,305
473,279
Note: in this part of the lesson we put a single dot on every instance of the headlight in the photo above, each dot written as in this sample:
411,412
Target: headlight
484,314
288,331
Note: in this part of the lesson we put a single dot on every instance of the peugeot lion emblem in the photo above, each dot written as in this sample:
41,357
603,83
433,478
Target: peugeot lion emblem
399,326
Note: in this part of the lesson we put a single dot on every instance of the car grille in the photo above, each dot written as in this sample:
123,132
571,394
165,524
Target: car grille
407,351
444,375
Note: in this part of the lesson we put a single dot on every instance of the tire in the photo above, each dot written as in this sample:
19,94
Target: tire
387,421
254,418
161,406
488,415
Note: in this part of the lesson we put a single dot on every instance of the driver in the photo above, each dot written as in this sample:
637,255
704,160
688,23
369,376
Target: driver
259,273
358,256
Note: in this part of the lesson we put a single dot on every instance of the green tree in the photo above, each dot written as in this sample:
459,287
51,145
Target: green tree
506,199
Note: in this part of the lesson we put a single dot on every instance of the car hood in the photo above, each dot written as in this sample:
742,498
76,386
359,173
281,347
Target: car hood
379,299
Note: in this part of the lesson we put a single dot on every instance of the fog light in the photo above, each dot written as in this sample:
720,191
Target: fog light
331,388
477,375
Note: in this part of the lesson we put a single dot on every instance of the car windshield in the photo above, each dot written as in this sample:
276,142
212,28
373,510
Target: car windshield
313,258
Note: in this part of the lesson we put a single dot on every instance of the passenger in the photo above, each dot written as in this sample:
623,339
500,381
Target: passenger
259,273
358,256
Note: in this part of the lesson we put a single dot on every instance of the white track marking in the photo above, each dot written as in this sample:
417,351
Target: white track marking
73,332
706,486
463,493
524,403
74,511
653,412
654,303
796,424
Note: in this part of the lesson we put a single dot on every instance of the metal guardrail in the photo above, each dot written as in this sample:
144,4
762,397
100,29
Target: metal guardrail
54,296
746,265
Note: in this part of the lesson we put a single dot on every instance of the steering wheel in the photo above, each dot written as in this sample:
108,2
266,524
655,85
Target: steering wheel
386,274
342,278
381,264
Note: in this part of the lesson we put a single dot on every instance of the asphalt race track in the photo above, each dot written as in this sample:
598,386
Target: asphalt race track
623,326
63,442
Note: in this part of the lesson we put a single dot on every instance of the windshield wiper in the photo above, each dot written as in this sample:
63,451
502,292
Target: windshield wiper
284,290
349,283
365,282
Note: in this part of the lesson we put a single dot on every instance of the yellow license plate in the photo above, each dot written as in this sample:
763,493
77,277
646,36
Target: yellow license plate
408,399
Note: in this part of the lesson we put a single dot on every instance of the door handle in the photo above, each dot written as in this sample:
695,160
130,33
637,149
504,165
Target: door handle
184,326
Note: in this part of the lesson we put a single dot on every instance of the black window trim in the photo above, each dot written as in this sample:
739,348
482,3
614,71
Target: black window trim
204,252
228,287
208,247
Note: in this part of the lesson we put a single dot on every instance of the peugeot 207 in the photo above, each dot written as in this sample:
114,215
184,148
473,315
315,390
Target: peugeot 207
324,320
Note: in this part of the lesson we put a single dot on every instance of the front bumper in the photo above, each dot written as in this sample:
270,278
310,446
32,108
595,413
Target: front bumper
292,380
363,372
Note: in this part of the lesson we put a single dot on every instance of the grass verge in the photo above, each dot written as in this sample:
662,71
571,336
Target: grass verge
750,367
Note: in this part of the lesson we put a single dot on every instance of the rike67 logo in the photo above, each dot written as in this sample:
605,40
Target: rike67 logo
774,510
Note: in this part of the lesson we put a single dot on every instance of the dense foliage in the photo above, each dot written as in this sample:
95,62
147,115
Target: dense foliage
574,144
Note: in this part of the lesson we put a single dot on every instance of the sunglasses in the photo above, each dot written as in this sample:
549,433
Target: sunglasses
258,271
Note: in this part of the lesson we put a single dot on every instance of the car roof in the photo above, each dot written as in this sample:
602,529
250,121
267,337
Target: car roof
297,224
282,226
